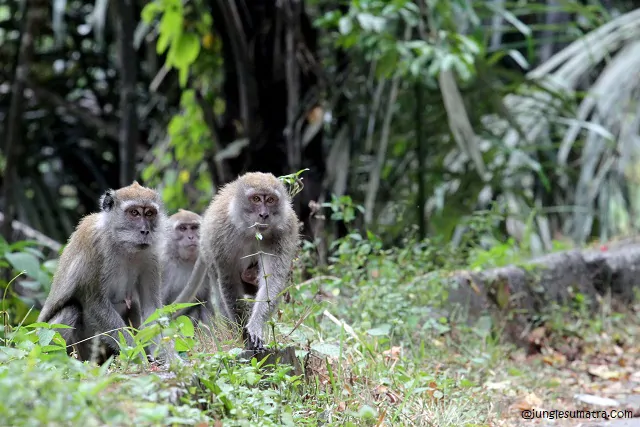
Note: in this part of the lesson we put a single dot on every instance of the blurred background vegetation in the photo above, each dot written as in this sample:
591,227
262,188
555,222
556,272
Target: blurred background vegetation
410,116
433,135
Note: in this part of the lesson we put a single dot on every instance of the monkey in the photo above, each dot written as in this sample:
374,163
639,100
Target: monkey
254,202
178,258
108,276
249,278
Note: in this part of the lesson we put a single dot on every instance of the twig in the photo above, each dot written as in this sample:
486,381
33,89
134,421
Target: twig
33,234
376,170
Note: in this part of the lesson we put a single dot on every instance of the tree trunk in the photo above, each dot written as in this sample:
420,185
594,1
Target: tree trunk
272,90
128,64
33,13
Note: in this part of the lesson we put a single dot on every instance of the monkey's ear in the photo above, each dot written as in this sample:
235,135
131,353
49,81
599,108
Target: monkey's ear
107,201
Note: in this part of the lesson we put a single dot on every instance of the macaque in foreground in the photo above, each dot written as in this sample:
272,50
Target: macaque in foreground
108,276
255,202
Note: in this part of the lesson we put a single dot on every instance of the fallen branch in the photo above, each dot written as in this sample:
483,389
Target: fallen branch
31,233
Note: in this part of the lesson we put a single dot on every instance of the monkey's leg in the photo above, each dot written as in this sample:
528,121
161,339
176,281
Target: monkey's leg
101,318
228,296
194,284
71,315
206,312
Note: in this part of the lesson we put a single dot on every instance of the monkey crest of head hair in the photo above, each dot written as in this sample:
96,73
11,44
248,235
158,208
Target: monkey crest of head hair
263,182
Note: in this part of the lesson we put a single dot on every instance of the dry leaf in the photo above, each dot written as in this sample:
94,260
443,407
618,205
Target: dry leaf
497,385
383,392
393,353
529,401
342,406
537,335
603,371
555,358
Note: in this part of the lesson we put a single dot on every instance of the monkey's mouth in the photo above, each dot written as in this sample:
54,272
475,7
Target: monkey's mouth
142,246
262,227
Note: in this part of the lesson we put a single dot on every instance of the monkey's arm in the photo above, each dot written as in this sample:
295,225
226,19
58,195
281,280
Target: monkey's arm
193,286
277,270
150,300
228,294
100,315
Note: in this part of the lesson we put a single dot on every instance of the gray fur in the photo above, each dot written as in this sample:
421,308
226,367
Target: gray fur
178,261
227,237
108,276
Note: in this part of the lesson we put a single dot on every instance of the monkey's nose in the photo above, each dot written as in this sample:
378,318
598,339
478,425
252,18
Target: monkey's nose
264,215
144,232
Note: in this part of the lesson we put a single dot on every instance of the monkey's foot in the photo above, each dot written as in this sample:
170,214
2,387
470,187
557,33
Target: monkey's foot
252,342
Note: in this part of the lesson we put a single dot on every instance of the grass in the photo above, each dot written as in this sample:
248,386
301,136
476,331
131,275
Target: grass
380,345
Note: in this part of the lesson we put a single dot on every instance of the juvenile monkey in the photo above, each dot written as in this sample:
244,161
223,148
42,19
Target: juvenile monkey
108,275
179,256
255,202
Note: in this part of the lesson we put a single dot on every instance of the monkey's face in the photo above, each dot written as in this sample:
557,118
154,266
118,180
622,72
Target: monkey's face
139,226
186,236
262,210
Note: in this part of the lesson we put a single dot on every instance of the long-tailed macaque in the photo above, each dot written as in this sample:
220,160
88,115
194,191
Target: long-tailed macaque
108,276
179,256
255,202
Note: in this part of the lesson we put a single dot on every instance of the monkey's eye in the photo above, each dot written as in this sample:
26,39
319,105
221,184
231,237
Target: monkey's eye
182,228
195,227
271,200
149,214
255,199
134,212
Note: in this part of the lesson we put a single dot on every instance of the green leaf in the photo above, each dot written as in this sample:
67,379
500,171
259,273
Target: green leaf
32,285
37,253
163,43
369,22
23,261
183,76
50,265
387,63
170,28
150,11
483,326
45,336
344,25
187,47
367,412
184,344
186,326
382,330
331,350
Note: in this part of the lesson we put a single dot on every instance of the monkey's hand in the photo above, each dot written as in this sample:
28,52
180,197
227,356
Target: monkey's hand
252,340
